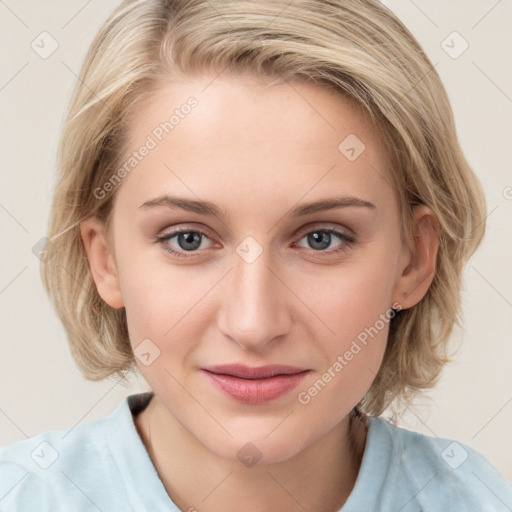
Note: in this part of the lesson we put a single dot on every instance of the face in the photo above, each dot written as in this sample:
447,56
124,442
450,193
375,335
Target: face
222,258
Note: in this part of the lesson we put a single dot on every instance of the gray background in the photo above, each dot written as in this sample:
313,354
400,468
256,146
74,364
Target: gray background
40,387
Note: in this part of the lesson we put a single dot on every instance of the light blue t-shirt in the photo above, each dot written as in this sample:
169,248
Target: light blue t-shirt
103,466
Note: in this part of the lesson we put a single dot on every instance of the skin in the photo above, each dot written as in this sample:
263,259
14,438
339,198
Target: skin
256,152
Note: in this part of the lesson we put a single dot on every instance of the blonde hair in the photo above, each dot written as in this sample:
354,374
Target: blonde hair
357,47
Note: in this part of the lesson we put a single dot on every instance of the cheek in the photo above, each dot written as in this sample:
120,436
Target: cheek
165,304
158,303
358,313
354,296
153,291
355,304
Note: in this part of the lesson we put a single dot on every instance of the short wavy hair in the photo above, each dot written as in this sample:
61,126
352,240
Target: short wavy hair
356,47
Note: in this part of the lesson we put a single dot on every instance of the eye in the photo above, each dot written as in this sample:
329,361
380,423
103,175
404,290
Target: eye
185,240
321,239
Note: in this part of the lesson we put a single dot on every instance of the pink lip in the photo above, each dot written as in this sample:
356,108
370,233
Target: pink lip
255,385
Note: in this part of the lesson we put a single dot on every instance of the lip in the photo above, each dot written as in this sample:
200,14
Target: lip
255,385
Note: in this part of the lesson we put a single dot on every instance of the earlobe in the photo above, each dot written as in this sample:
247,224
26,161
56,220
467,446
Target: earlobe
101,261
419,265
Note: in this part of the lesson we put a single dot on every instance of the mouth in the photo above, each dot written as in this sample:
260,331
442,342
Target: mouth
255,385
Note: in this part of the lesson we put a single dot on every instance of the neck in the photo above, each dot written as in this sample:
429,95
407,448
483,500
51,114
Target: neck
318,479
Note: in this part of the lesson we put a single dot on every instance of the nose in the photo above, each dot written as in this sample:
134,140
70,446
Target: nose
255,309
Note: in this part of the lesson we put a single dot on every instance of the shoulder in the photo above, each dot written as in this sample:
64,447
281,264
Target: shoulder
57,467
443,471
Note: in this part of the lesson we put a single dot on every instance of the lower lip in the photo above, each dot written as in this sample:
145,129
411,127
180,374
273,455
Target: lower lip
255,391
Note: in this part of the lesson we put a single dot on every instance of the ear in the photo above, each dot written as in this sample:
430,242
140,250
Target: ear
417,265
101,261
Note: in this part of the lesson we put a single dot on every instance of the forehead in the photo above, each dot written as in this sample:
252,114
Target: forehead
212,135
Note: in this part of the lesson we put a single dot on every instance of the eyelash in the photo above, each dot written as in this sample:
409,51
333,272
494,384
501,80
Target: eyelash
347,241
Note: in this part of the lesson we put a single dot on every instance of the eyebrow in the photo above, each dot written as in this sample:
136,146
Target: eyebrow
208,208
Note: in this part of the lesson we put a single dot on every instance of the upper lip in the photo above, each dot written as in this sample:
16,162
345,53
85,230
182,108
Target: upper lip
258,372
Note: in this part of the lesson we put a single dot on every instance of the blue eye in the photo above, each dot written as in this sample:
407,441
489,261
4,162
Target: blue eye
321,239
187,240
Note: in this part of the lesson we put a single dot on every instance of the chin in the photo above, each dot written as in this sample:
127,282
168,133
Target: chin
259,452
261,446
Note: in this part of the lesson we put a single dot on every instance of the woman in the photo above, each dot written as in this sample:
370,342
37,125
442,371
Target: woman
267,212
